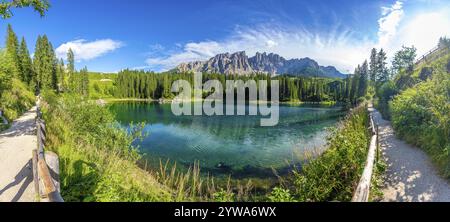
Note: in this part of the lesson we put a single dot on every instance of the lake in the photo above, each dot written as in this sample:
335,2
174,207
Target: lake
230,145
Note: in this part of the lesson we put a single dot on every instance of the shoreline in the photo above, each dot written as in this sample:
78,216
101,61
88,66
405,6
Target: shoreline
167,101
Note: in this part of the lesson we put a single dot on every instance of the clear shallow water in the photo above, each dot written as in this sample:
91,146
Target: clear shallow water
229,145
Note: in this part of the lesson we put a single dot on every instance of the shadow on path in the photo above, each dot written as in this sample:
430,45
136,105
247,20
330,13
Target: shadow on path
24,176
410,175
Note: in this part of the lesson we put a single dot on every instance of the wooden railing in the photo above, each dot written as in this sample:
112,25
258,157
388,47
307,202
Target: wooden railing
433,54
45,167
363,190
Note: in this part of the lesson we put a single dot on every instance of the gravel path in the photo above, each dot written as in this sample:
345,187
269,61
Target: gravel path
410,175
16,145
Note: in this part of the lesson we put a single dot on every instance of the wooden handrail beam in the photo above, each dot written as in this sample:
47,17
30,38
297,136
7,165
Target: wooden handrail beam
41,168
362,192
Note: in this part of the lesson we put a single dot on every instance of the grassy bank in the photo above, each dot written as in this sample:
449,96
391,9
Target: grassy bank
98,162
334,175
17,100
420,115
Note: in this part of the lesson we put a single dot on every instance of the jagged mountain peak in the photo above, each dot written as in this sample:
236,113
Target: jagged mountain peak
239,63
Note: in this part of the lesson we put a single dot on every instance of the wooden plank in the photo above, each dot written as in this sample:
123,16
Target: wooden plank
44,174
49,189
35,172
47,166
363,190
53,165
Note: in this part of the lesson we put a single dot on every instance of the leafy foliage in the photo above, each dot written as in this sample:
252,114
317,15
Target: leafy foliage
404,59
280,195
41,6
17,100
420,115
6,69
98,161
334,174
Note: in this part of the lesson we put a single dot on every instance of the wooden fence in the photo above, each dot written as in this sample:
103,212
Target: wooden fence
363,190
433,54
45,167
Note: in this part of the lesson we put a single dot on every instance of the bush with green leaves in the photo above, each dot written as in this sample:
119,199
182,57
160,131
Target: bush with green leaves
334,175
421,116
385,93
223,196
280,195
97,158
17,100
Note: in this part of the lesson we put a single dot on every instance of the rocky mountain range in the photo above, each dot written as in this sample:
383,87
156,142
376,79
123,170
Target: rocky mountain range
239,63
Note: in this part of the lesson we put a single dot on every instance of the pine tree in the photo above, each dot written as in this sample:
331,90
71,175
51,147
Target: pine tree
373,65
53,61
37,64
354,87
44,65
12,48
382,69
363,80
25,63
71,71
84,82
61,75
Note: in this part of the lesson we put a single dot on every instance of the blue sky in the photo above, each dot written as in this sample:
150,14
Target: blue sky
110,35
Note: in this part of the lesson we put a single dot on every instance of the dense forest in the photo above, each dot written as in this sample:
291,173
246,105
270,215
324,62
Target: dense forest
150,85
33,74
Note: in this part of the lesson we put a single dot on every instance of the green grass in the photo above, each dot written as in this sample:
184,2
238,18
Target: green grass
17,100
101,86
421,116
376,193
98,162
334,175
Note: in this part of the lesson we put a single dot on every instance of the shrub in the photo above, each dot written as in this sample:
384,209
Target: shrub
385,94
223,196
425,73
420,115
97,159
448,66
17,100
280,195
335,174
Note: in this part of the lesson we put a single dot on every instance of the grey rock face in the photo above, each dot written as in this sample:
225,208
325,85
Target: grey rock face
240,64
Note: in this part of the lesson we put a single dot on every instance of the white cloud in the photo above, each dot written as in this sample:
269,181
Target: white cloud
333,48
84,50
389,23
338,47
422,30
271,44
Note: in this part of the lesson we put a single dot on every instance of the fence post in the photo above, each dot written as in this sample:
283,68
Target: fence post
378,143
47,166
35,174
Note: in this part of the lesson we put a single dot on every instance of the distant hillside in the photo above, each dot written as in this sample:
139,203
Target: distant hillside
239,63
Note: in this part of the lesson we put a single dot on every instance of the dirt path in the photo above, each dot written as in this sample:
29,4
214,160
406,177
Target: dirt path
410,176
16,145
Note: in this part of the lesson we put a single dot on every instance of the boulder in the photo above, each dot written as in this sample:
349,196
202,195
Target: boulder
426,73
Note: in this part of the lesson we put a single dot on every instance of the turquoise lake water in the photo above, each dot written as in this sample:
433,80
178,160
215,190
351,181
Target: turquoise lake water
229,145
